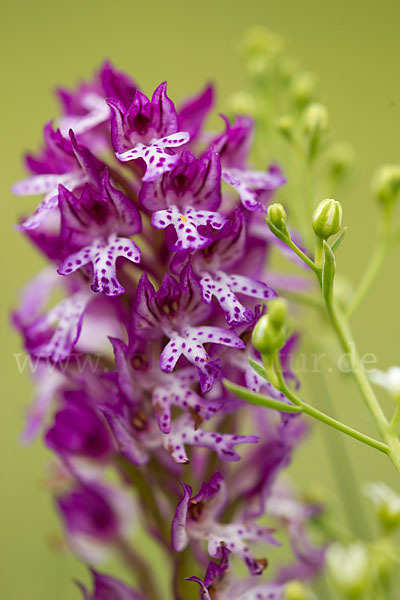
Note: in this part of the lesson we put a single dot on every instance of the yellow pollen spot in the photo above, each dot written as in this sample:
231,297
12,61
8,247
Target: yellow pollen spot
182,218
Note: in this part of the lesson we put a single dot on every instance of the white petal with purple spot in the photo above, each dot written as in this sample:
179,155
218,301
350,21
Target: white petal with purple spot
103,256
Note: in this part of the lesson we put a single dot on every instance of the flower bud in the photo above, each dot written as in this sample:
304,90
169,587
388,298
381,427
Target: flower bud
278,313
386,503
315,124
261,42
242,103
295,590
285,126
340,160
269,332
327,218
302,89
349,567
277,217
386,183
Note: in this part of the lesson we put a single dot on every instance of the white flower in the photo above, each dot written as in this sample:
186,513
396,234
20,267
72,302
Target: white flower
348,566
389,380
386,501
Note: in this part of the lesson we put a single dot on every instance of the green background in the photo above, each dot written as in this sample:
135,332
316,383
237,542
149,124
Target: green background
351,46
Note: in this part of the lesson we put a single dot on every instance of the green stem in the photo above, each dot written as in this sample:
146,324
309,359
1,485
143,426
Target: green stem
301,255
381,251
370,275
392,443
320,416
346,481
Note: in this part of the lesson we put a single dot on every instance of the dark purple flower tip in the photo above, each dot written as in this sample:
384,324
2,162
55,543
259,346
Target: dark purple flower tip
78,430
116,84
194,111
234,144
87,510
144,120
108,588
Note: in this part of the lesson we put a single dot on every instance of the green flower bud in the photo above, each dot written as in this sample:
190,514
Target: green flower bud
327,218
340,160
269,333
386,503
277,217
258,41
349,567
315,124
386,183
278,313
295,590
242,103
302,89
285,126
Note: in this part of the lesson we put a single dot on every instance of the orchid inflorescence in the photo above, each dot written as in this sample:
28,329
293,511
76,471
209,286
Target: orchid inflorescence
165,385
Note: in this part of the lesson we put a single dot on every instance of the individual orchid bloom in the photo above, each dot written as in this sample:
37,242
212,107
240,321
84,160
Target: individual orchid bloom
48,383
197,518
105,586
193,112
389,380
234,144
73,166
92,223
255,188
95,516
86,108
173,310
54,334
147,130
138,437
282,504
220,584
174,390
187,198
214,267
79,432
167,390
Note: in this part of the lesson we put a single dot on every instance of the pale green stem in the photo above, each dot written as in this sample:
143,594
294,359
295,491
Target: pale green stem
344,334
342,468
381,251
320,416
370,276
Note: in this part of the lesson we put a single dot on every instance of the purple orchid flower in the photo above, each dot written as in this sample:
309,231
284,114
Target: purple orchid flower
147,130
197,517
255,188
136,377
79,431
172,311
94,223
214,266
219,584
85,108
95,516
63,162
187,198
133,375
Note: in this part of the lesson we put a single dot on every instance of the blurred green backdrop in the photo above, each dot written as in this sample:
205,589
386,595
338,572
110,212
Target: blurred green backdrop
352,47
